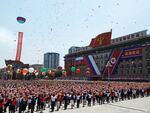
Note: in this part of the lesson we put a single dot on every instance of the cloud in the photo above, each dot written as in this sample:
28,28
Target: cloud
7,45
6,36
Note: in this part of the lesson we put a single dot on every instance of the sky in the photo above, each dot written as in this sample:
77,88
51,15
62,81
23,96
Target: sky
56,25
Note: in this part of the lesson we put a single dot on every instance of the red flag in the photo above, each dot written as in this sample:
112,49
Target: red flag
101,40
92,42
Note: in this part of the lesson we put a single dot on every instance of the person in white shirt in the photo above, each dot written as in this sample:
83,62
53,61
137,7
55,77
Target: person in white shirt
53,102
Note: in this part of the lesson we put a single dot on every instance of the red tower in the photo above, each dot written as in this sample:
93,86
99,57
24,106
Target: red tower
19,46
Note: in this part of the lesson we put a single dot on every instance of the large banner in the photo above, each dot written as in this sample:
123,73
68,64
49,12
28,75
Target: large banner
134,52
101,40
19,46
113,60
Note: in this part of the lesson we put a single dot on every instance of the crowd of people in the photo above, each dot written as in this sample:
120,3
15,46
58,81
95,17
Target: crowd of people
38,95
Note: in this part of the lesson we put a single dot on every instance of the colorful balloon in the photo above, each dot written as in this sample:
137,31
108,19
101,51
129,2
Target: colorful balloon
59,68
31,70
25,71
36,72
64,73
18,71
73,69
52,74
43,73
49,71
21,20
10,66
87,72
44,70
78,71
8,72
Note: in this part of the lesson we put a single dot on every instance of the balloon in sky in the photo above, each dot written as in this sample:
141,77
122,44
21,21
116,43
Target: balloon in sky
31,70
18,71
64,73
49,71
36,72
25,71
73,69
44,70
78,71
21,20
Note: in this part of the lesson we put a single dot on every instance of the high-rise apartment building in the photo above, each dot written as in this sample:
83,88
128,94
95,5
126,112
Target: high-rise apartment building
51,60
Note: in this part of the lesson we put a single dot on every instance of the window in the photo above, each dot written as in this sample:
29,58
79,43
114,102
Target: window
127,71
148,70
140,65
106,55
116,39
124,38
120,39
140,71
127,66
132,36
121,66
137,35
112,41
121,71
128,37
134,65
133,71
148,63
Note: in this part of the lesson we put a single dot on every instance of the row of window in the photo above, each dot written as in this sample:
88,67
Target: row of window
133,71
134,65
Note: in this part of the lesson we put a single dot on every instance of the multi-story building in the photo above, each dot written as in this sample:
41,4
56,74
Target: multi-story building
51,60
126,57
73,49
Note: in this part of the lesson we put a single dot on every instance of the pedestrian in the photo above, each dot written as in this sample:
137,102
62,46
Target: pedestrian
53,102
1,105
78,100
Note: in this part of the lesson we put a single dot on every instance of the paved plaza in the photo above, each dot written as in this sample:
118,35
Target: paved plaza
140,105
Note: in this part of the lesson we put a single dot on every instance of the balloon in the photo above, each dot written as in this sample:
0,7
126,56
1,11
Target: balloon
44,70
73,69
36,72
59,68
52,73
31,70
64,73
18,71
78,71
25,71
8,72
21,20
49,71
10,66
43,73
87,72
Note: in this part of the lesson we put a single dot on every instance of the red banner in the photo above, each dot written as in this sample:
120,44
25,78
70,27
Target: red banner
132,52
19,46
101,40
110,66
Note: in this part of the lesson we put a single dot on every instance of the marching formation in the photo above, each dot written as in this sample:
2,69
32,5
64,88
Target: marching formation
32,96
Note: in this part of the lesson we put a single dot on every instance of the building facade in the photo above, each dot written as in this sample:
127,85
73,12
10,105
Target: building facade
73,49
126,57
51,60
